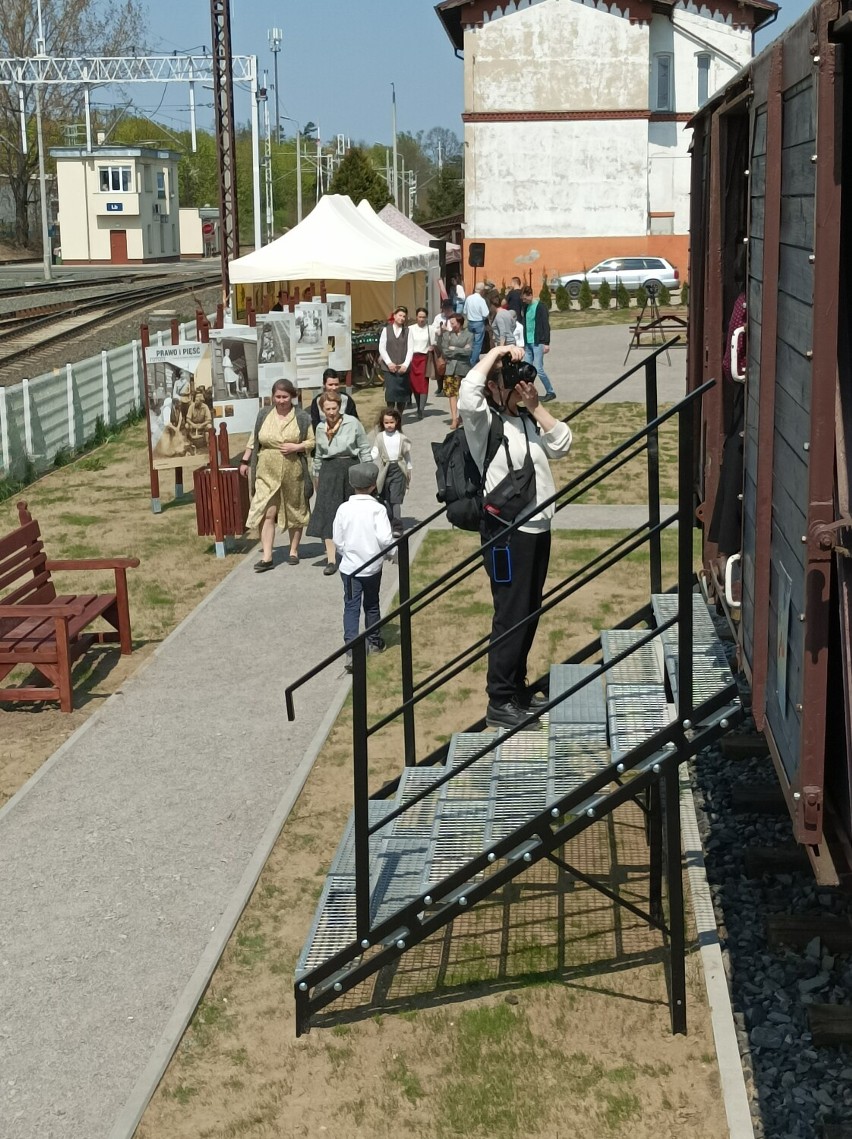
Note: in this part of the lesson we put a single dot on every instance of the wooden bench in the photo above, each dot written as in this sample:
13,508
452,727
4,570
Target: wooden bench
47,632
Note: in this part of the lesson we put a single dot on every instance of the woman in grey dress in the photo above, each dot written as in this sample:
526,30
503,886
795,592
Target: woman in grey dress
340,442
456,346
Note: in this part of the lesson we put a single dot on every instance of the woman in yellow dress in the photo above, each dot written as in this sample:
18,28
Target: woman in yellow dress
276,461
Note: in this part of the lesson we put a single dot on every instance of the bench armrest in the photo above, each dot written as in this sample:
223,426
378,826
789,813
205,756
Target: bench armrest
23,611
91,563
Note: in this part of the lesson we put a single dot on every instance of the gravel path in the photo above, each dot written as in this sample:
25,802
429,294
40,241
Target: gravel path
795,1087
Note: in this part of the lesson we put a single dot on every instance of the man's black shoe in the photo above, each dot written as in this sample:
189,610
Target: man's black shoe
547,398
508,715
530,701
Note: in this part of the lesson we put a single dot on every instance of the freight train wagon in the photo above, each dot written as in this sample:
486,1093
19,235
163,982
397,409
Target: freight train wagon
771,224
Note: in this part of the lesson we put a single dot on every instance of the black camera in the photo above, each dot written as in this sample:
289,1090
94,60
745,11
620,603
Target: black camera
517,372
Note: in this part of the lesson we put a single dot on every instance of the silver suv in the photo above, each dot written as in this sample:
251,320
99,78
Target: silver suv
652,272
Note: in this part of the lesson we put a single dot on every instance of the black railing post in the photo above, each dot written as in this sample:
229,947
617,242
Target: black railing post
656,555
407,663
674,882
684,564
361,788
655,850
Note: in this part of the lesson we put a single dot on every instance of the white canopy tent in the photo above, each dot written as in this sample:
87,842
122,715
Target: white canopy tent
341,246
388,233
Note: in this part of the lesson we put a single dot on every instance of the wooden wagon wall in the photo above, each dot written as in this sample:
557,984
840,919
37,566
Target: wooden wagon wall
792,192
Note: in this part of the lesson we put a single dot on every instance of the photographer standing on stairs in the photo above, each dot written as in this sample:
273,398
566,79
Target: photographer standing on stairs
511,446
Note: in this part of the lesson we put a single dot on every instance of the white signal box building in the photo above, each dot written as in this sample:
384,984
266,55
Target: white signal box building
117,204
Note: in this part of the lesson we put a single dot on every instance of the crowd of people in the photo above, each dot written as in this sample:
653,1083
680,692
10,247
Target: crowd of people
358,482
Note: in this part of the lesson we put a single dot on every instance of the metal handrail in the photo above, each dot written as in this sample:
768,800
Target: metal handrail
442,581
650,532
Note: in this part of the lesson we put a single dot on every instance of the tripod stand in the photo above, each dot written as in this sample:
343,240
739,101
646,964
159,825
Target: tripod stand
653,325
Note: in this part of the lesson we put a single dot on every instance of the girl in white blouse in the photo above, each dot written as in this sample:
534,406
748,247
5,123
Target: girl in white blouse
392,453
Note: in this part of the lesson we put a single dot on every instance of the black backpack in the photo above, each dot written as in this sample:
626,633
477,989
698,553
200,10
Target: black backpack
459,479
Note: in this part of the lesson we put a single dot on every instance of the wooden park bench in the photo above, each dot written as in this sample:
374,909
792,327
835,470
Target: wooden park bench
46,631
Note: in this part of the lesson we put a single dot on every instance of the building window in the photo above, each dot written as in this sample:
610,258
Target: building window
161,184
663,70
116,179
703,61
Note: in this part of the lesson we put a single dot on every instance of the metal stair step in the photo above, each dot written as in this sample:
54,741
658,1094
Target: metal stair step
587,705
644,665
635,714
665,606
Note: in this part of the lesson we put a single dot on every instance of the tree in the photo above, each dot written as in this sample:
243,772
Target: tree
622,297
562,298
441,145
357,177
71,28
545,295
585,298
446,193
605,295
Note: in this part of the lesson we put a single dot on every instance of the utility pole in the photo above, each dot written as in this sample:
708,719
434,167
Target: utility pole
275,37
298,175
394,187
223,99
263,97
42,178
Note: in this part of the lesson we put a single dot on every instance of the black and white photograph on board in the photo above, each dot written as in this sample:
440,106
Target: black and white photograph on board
311,343
180,403
276,336
235,376
339,332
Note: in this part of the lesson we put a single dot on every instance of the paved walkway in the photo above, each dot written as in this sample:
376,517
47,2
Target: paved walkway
129,856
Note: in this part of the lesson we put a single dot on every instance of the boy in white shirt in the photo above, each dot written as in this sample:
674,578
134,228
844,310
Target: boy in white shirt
361,531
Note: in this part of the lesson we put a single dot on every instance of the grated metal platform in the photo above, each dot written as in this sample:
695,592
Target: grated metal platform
491,799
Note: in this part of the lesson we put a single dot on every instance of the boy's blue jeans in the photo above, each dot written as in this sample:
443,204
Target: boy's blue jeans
358,591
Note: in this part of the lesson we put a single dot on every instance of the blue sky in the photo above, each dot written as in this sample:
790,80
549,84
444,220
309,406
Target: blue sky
337,62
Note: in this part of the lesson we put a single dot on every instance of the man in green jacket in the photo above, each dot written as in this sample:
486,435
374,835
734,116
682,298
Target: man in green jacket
536,322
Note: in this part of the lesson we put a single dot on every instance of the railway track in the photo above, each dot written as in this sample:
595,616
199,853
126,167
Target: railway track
29,343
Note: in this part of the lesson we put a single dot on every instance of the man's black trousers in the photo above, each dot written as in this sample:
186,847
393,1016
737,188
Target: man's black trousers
513,601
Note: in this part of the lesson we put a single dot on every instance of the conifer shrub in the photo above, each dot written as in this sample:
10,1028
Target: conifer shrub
622,297
605,296
563,298
585,298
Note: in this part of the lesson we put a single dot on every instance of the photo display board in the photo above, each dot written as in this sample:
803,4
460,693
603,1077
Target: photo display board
179,390
312,348
275,338
236,389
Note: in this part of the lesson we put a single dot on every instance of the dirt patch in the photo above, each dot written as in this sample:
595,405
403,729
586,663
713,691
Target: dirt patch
99,506
543,1006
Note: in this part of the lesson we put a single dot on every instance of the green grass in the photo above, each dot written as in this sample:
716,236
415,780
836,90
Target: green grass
80,519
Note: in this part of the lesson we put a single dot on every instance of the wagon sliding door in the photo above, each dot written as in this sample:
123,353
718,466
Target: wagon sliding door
788,492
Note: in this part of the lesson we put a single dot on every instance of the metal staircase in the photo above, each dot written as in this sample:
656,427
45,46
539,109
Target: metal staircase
619,719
